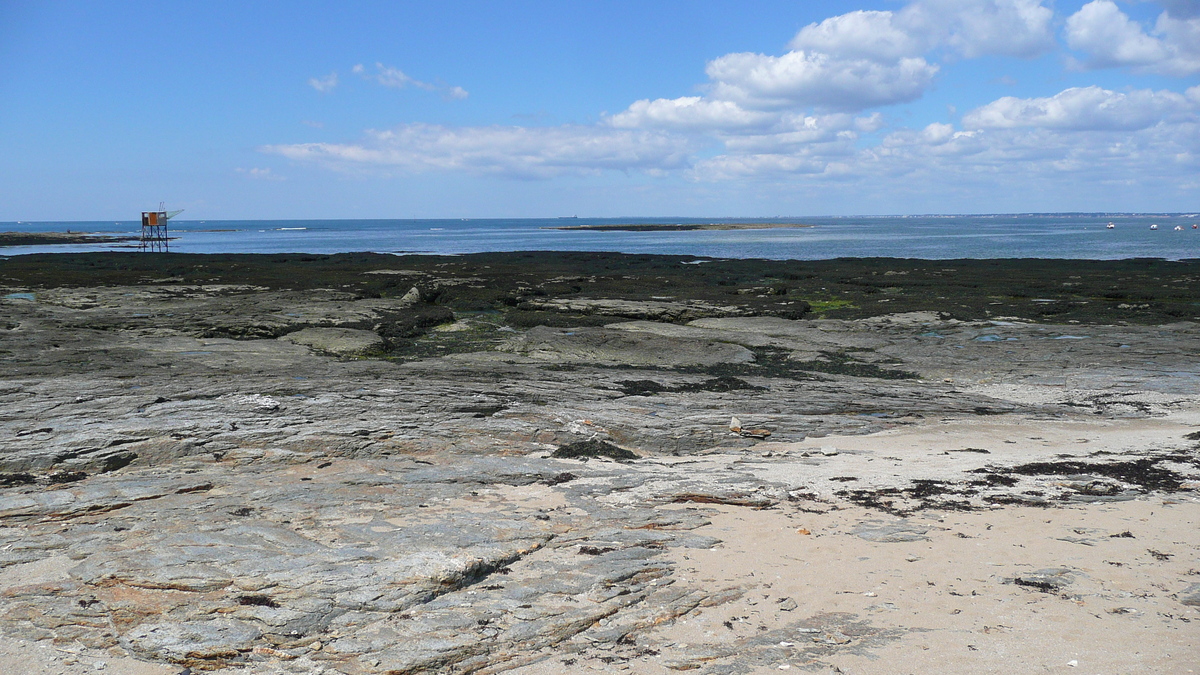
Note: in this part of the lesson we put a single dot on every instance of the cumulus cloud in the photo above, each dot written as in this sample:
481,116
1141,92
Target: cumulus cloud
1110,38
324,84
807,112
974,28
1094,133
530,152
971,28
878,36
1159,154
1086,108
851,62
819,134
689,112
803,79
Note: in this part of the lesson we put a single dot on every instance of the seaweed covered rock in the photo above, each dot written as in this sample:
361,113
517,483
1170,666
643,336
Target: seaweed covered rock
586,450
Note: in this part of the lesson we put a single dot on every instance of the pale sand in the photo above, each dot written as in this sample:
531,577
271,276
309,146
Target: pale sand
942,605
946,604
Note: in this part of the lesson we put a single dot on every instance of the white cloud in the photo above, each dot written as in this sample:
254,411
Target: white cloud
802,79
861,34
974,28
733,167
1160,154
1086,108
825,134
1111,39
395,78
851,62
689,112
1090,134
324,84
796,118
531,152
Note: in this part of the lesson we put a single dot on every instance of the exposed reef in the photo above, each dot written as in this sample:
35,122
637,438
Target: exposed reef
555,462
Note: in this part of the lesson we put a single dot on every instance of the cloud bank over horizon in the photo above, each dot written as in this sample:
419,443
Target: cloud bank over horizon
821,110
469,108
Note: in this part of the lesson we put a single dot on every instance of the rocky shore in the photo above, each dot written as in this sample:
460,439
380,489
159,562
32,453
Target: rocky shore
560,463
42,238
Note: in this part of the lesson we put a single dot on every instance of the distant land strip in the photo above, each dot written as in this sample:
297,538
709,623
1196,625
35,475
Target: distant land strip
44,238
677,227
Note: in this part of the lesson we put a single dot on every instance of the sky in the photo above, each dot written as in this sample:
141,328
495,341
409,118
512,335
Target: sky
612,108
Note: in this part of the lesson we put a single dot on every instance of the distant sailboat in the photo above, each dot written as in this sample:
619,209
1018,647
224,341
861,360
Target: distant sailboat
1110,226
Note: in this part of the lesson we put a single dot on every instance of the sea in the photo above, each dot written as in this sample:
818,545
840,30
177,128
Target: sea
1057,235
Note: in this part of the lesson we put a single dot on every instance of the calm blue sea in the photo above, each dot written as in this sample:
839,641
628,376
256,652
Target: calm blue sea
1081,236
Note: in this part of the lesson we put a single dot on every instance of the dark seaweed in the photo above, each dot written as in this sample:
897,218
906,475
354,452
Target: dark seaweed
721,384
587,449
256,601
11,479
559,479
1140,291
1144,473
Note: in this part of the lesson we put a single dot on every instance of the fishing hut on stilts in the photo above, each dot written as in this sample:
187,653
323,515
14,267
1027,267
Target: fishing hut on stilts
154,229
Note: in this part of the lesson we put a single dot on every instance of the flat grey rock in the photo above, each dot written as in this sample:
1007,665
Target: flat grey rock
1049,580
1190,595
339,341
213,495
608,346
193,641
890,532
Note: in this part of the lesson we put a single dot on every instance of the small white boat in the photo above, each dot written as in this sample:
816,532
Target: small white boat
1179,228
1110,226
1154,226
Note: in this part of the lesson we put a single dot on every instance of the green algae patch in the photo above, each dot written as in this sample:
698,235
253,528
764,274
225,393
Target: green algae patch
820,307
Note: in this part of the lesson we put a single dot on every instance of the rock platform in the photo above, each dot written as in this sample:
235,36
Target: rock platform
247,478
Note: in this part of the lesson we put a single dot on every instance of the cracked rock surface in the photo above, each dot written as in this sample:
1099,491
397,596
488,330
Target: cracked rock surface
180,487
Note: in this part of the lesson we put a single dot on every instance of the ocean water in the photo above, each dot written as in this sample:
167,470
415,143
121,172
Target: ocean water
1080,236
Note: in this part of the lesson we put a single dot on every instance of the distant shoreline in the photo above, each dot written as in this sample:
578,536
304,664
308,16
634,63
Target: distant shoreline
44,238
678,227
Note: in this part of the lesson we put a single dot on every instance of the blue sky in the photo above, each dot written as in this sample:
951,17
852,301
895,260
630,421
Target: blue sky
614,108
